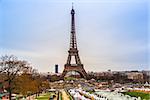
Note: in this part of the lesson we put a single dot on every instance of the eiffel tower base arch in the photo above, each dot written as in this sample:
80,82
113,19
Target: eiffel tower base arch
76,68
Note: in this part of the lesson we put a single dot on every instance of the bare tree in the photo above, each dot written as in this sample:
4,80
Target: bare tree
11,67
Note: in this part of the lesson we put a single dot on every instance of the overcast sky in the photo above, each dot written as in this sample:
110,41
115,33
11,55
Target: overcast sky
111,34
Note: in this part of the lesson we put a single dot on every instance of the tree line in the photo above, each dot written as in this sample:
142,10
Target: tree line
19,77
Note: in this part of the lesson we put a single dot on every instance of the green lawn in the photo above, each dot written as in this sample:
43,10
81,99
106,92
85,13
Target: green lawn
144,96
44,96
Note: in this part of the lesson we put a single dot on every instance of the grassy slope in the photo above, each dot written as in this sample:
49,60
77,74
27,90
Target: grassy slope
44,97
145,96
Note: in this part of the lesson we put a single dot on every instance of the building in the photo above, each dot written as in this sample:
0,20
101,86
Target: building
135,75
56,68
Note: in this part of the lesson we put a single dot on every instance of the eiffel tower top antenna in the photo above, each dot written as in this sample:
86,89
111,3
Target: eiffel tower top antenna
72,5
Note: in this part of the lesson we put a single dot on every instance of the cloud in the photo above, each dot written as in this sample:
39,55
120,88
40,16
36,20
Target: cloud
110,34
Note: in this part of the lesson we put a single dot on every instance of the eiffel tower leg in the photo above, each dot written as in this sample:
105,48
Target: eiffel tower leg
69,59
77,59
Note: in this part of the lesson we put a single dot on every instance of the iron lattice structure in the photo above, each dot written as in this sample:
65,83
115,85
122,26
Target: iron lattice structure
73,52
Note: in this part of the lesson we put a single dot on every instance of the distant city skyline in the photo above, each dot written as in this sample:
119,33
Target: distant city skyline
111,34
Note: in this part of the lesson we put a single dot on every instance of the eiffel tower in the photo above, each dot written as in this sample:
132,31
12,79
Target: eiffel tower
73,52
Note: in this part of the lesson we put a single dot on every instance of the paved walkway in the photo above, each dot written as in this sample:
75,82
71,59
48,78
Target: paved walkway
64,95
